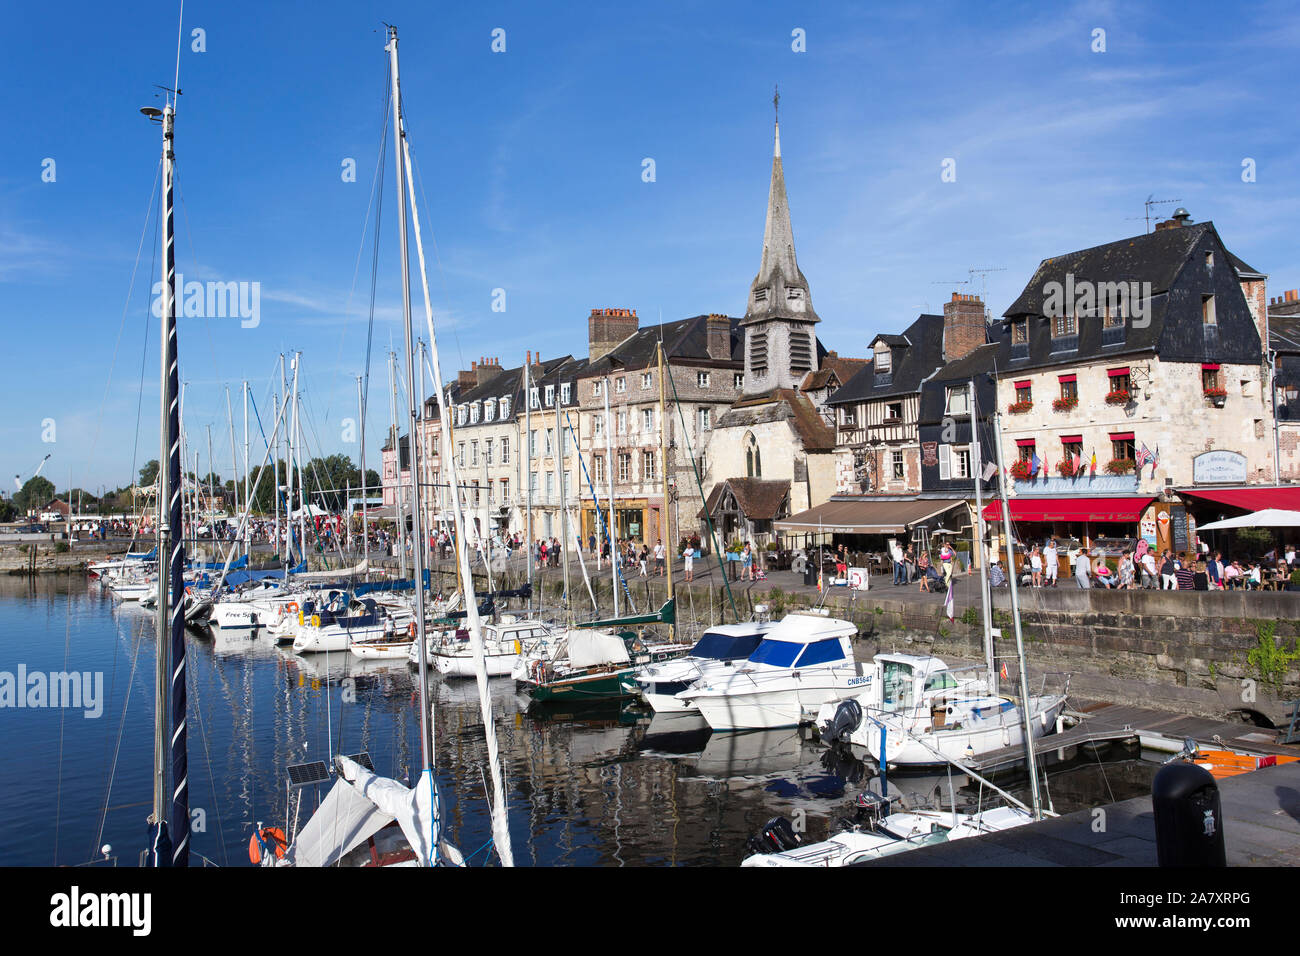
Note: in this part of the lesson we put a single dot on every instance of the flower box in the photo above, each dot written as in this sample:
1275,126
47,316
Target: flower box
1217,396
1022,470
1019,408
1120,466
1065,468
1118,397
1064,404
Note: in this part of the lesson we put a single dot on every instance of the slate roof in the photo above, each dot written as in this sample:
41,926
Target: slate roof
758,498
1171,261
782,404
1284,333
683,339
916,355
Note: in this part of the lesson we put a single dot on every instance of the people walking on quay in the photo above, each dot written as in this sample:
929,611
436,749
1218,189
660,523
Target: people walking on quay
1082,568
643,560
1036,567
747,564
946,556
923,569
896,552
1126,571
659,558
688,563
1051,563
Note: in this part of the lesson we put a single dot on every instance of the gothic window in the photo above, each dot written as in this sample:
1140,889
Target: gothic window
753,458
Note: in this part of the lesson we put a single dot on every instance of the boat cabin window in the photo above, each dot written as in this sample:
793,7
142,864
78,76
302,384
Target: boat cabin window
725,647
776,653
940,681
897,686
821,652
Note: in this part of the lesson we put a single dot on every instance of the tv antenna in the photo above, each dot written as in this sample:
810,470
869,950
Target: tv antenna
1149,203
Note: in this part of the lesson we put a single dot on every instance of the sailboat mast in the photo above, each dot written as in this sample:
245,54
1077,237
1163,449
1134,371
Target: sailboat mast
665,526
528,477
398,502
365,527
980,552
1015,620
248,502
609,480
170,849
417,525
566,543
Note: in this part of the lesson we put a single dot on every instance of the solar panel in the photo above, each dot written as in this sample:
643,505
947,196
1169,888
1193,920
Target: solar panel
362,758
306,774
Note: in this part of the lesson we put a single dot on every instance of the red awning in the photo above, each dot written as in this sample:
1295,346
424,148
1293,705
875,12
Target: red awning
1071,509
1118,371
1067,378
1024,384
1025,442
1251,499
1210,367
1071,439
1121,436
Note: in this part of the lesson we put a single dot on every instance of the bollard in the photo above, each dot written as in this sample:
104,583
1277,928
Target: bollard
1189,818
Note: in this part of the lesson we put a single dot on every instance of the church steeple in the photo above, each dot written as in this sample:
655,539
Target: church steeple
779,343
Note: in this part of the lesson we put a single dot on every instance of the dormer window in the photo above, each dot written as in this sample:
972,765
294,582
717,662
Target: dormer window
1019,332
473,414
505,407
564,394
884,358
550,395
533,399
489,410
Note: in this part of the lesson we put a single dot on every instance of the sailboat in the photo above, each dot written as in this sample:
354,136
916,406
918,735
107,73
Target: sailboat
360,819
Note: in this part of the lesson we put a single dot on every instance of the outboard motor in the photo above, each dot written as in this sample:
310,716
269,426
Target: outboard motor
848,717
776,836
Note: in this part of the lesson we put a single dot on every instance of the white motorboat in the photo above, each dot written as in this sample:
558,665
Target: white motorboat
718,649
332,630
802,663
451,651
880,837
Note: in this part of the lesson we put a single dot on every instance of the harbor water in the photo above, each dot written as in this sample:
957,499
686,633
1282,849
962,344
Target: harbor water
609,786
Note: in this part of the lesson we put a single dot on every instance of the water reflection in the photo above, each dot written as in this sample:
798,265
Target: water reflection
610,784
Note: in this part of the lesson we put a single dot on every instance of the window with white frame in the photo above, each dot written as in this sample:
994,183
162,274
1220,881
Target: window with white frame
961,462
595,388
460,454
648,465
505,407
705,418
487,451
550,395
646,379
505,491
620,384
473,453
702,379
621,420
489,410
550,441
564,393
505,451
624,467
597,425
898,465
473,414
533,399
550,483
532,443
958,400
598,468
647,419
738,380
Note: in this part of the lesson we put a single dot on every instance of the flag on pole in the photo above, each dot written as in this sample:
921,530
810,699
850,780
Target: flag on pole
1044,465
1004,670
1155,460
1093,466
947,603
1140,457
1078,463
819,580
990,470
1034,462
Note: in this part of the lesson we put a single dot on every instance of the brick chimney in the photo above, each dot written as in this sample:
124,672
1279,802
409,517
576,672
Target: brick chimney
718,328
963,326
468,379
606,328
487,368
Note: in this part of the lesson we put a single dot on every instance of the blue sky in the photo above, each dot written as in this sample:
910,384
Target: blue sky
530,163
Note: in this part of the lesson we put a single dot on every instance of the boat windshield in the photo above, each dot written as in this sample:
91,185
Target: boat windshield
725,647
776,653
822,652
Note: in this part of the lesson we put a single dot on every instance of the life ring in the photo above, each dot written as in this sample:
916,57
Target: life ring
293,607
271,838
315,620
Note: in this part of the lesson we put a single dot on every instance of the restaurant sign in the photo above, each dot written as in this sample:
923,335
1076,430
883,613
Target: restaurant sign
1214,467
929,453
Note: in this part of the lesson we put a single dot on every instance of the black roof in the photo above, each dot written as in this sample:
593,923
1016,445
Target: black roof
1284,333
915,355
1171,261
682,338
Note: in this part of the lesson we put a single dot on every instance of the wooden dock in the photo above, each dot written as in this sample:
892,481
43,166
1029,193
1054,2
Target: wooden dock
1155,729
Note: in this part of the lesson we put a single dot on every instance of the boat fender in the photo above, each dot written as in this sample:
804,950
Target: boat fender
300,617
410,630
315,620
